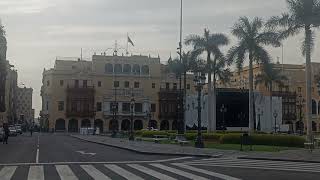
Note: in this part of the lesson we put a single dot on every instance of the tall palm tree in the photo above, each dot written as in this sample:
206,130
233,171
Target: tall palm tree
252,37
270,76
303,15
209,44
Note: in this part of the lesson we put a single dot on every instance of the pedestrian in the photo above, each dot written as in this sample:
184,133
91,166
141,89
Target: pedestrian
6,133
31,130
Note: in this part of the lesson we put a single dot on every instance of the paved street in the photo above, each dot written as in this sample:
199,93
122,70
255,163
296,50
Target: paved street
59,156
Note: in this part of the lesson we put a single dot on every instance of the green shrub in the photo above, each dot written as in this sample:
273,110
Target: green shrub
191,136
151,134
211,136
265,139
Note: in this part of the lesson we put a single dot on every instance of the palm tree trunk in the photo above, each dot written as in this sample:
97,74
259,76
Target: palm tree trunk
271,103
251,100
184,99
308,81
214,97
211,123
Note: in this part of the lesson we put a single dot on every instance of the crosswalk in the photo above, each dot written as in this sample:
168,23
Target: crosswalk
257,164
132,171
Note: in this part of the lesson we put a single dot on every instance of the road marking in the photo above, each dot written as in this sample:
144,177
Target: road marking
122,172
36,173
94,173
94,162
65,172
179,172
84,153
37,156
7,172
151,172
218,175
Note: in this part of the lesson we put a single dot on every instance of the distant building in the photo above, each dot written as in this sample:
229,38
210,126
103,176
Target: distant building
97,93
24,105
291,92
8,112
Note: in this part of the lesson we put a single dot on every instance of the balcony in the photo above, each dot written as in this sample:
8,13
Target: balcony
125,113
80,101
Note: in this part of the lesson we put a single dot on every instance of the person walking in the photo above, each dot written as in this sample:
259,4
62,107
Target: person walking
31,130
6,133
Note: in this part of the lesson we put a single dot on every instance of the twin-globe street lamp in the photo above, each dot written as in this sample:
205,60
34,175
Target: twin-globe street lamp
199,79
260,113
223,110
132,102
275,114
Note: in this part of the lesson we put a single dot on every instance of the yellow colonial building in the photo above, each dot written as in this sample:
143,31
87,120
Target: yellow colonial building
98,93
293,92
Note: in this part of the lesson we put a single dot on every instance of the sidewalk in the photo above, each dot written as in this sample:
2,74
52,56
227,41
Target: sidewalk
299,155
154,148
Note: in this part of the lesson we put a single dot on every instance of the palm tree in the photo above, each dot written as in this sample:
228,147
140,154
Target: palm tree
302,15
252,37
269,76
209,44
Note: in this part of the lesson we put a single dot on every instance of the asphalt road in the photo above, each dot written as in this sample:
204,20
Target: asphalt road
59,156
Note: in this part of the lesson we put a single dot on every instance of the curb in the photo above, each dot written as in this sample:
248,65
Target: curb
279,159
148,152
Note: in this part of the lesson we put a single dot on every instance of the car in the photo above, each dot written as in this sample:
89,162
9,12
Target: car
13,131
18,128
1,134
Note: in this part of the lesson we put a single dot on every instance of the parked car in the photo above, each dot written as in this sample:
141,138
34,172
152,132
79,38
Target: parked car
18,128
13,131
1,134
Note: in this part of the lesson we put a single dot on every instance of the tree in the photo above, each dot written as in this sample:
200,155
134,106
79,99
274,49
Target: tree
268,77
252,37
302,15
209,44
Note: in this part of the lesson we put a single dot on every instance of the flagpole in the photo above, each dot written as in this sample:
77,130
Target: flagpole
127,52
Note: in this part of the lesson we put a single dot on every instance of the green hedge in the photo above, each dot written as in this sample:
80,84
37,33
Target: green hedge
265,139
152,133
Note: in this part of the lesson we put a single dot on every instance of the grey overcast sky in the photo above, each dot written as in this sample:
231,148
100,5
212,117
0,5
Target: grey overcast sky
40,30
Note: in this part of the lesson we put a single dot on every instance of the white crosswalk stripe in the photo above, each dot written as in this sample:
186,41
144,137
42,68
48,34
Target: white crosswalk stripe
151,172
122,172
94,173
7,172
131,171
36,173
258,164
65,172
179,172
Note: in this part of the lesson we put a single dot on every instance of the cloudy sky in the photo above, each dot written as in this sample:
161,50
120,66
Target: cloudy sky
40,30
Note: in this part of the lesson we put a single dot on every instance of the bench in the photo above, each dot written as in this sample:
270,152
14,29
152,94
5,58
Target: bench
309,145
183,142
158,138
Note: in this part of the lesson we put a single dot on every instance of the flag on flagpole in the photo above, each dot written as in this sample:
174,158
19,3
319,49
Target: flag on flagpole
130,41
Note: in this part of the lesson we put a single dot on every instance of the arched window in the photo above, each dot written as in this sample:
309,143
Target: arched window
127,69
136,69
109,68
145,70
314,107
118,68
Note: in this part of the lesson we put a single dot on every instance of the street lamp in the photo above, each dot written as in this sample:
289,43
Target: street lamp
132,102
114,109
223,110
300,106
275,114
148,114
199,80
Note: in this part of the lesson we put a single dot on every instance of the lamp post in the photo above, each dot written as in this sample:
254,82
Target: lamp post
223,110
132,102
199,80
114,118
300,106
275,114
148,114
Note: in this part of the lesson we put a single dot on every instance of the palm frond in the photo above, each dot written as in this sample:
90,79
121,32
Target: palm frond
269,38
195,40
218,39
260,55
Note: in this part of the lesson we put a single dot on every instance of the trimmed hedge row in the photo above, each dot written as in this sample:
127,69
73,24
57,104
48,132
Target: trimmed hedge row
265,139
234,138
